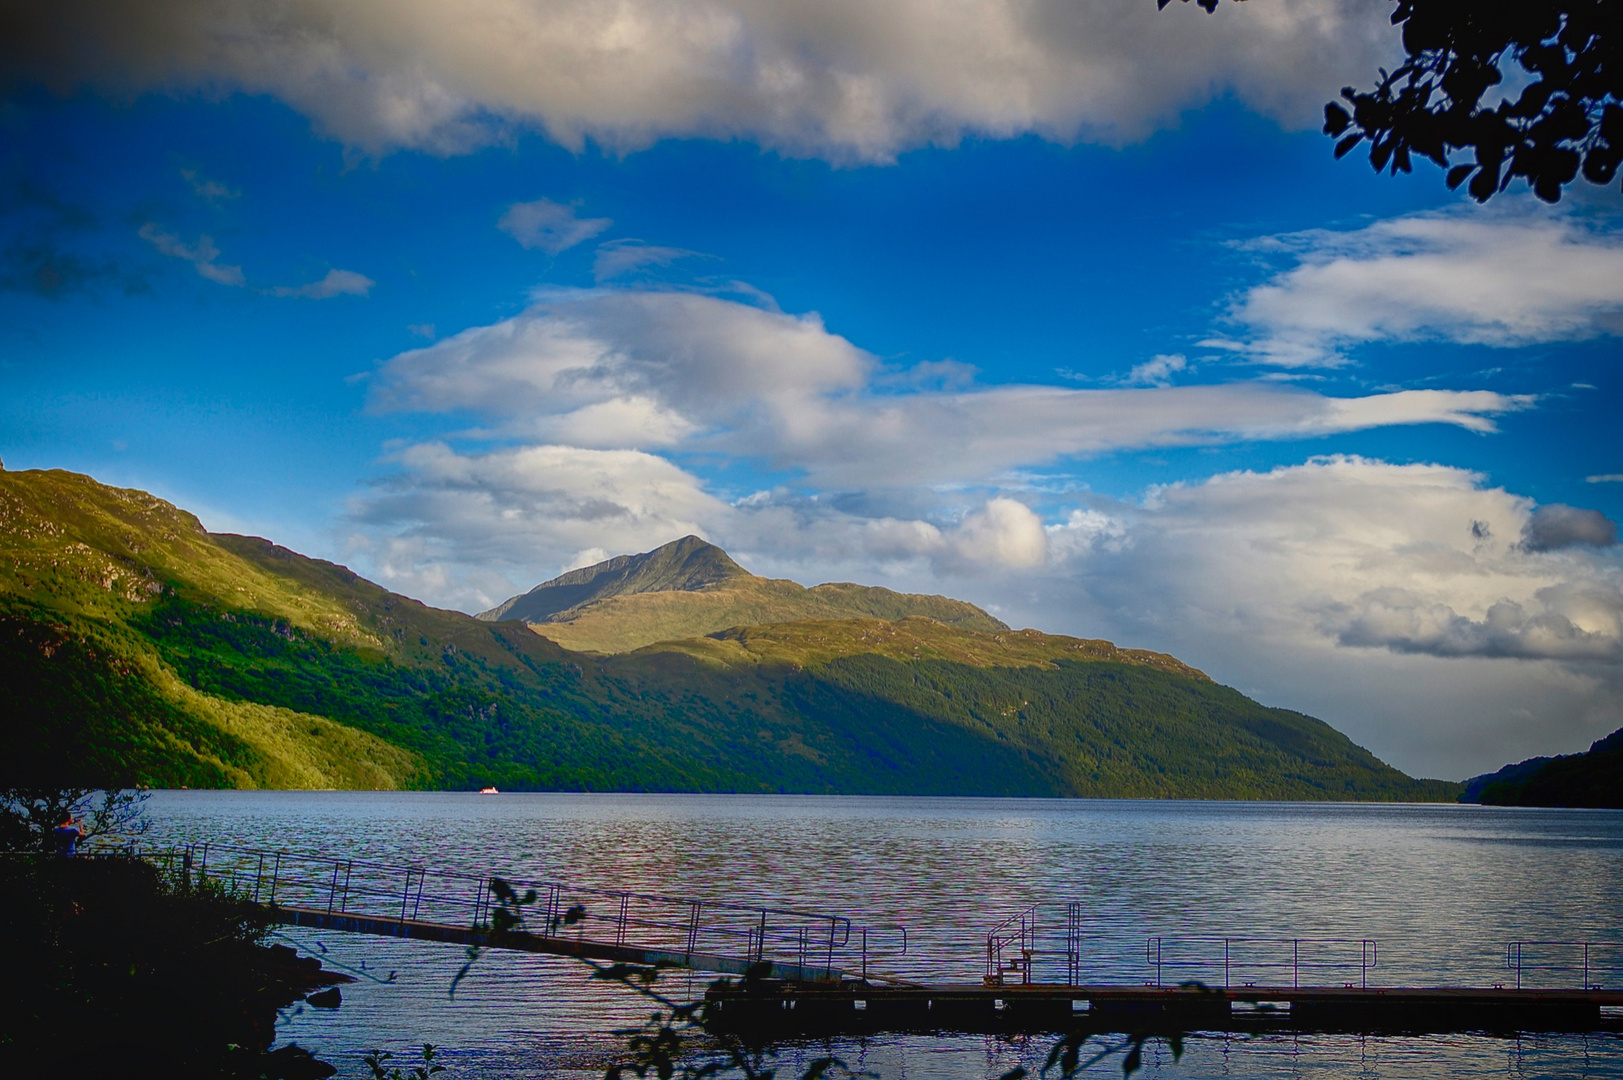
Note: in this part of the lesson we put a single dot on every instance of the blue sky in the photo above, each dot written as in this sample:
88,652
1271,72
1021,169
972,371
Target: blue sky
1064,309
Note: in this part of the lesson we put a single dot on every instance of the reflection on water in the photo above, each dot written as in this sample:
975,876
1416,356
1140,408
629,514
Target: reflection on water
1441,888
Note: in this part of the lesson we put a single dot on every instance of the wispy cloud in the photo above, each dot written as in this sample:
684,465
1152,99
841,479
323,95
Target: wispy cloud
336,283
202,255
210,190
1517,276
640,369
618,258
551,227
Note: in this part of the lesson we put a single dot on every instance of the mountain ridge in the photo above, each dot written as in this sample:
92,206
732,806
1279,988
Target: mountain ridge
684,565
689,588
137,648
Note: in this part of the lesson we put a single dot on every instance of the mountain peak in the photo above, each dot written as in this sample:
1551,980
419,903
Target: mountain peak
686,565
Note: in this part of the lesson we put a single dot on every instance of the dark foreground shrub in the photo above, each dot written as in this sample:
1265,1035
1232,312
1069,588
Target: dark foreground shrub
115,968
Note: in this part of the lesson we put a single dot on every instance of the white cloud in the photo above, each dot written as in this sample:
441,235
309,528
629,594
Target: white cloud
336,283
201,255
469,530
1605,478
696,361
667,369
204,256
550,226
1514,276
465,529
1005,533
849,79
1157,370
1394,601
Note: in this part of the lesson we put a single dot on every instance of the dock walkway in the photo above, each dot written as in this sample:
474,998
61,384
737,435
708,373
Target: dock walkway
809,972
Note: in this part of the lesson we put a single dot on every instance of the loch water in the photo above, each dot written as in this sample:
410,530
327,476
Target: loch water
1441,888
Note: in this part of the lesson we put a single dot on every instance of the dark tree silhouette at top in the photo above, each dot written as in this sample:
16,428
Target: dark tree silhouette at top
1568,119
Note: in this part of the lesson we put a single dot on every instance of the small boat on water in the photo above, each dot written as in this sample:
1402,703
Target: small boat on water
488,791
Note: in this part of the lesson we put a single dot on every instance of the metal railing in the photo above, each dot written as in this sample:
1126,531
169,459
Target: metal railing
1597,964
676,925
1253,960
1040,933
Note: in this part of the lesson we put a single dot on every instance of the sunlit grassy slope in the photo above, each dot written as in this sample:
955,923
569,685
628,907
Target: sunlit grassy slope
136,647
689,588
89,697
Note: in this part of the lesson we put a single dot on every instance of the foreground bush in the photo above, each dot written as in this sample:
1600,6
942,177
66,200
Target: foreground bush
114,967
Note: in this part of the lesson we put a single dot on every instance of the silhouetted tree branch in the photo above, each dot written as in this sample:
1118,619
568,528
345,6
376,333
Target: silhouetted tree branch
684,1041
28,814
1440,102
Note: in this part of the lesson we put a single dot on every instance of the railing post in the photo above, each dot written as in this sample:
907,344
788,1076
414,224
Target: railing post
332,888
693,929
1296,963
760,945
1586,966
276,876
1225,963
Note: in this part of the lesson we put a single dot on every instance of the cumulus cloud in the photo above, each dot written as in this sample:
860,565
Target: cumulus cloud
1559,526
1157,370
1005,533
638,369
202,255
336,283
549,226
469,529
1509,278
463,529
1393,600
848,79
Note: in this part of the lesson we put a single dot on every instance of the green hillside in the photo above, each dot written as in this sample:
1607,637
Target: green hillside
138,648
690,588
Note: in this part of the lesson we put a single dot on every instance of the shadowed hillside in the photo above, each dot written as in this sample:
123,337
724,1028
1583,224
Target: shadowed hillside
1593,778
